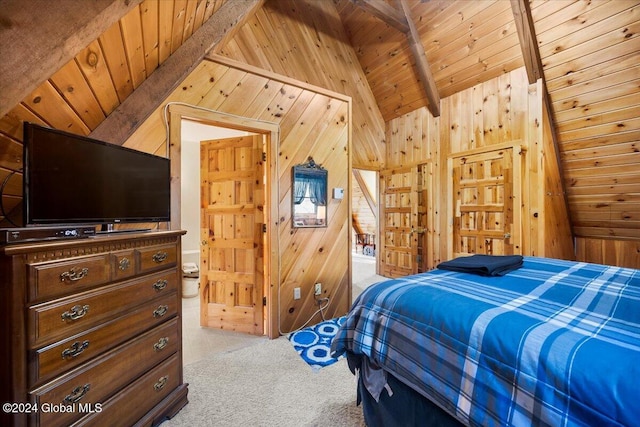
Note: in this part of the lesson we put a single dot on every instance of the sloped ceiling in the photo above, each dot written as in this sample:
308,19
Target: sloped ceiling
78,67
589,54
465,43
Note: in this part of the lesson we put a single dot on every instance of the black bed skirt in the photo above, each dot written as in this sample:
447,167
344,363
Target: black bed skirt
405,408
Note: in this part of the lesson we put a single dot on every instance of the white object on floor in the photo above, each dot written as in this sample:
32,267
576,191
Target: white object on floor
189,287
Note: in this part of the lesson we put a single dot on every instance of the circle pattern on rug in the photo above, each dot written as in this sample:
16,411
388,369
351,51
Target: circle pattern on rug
327,329
304,338
313,344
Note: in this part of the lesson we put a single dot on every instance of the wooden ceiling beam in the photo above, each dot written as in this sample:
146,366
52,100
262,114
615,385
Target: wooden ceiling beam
401,21
424,70
528,42
223,24
38,37
385,12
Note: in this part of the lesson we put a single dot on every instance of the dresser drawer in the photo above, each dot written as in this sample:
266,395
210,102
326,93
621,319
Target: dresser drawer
102,378
55,279
49,322
157,257
67,354
130,405
123,264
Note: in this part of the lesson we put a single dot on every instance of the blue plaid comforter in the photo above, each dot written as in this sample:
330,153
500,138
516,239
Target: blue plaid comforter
553,343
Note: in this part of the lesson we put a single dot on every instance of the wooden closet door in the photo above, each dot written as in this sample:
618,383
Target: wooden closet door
486,199
232,220
403,224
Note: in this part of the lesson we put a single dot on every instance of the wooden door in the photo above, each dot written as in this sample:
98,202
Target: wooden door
486,216
404,221
232,221
420,211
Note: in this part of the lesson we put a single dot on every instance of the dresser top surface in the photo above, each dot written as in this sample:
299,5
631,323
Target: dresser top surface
98,239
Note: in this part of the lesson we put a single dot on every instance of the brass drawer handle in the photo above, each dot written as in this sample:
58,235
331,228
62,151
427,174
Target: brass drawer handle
161,344
160,284
75,350
162,381
74,275
160,311
159,257
76,312
124,264
77,394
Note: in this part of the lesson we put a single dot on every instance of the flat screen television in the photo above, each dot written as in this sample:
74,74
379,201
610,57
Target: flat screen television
72,179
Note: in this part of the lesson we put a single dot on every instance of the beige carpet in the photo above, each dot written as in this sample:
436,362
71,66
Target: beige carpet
267,384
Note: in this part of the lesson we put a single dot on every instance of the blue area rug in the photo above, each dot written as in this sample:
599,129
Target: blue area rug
313,344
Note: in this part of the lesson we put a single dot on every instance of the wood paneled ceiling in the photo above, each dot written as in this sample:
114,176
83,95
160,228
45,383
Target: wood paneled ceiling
589,54
465,42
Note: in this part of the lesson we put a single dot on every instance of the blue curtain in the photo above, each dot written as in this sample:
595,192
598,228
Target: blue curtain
313,180
299,189
318,190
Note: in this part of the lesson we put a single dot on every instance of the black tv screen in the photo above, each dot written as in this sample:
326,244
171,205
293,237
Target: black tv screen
72,179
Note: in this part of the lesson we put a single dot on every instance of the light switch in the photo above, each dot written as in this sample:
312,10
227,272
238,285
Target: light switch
338,193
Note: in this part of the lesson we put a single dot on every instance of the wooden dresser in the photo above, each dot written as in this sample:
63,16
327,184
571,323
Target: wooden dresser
92,331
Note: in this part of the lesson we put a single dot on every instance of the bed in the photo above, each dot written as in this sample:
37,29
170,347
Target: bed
551,343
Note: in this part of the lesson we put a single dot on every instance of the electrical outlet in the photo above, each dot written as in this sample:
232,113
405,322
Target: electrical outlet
296,293
318,289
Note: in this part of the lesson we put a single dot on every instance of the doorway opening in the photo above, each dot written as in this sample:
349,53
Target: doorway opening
364,219
227,138
192,133
210,247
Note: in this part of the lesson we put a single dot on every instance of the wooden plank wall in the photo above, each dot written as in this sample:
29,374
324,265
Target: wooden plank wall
590,52
503,110
623,253
558,237
312,122
305,40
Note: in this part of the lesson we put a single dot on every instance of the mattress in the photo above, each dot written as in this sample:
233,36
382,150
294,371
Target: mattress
552,343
